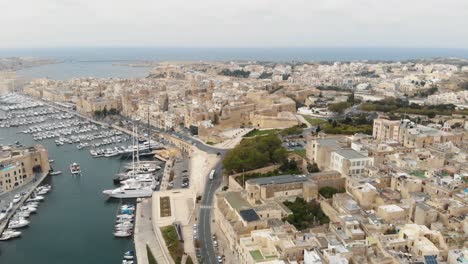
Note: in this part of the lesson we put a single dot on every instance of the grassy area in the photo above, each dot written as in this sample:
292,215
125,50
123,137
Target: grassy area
189,260
175,247
393,106
418,173
151,258
256,255
288,168
305,214
300,152
294,130
315,121
347,129
256,132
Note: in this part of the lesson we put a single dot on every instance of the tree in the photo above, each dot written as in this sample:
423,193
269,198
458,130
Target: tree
113,111
254,153
312,167
328,192
104,111
339,107
305,214
351,98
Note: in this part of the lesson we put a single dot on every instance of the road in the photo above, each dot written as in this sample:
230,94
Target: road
204,221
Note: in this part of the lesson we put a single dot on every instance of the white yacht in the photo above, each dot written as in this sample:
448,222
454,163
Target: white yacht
132,189
17,198
122,233
56,173
9,234
18,223
75,168
3,215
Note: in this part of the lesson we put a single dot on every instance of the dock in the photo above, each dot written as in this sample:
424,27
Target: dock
4,223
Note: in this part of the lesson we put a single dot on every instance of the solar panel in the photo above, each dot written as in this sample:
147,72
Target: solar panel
249,215
430,259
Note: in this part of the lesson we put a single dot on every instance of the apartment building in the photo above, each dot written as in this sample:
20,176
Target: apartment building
349,162
385,130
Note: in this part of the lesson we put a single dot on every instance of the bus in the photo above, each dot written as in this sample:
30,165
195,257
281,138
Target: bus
211,176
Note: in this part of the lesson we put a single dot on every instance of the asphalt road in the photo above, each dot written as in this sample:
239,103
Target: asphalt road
204,220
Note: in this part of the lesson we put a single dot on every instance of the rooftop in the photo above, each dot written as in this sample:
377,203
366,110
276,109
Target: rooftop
236,201
282,179
329,142
249,215
350,154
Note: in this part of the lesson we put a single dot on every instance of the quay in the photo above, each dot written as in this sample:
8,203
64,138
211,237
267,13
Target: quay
4,223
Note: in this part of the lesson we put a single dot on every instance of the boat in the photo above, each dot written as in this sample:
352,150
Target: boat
51,161
75,168
129,254
37,198
9,234
56,173
130,190
122,233
3,215
17,198
18,223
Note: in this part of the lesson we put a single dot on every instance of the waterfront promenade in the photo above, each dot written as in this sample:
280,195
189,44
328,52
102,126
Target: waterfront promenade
145,235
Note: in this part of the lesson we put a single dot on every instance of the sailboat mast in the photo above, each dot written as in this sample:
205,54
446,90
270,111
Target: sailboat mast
138,147
149,132
133,148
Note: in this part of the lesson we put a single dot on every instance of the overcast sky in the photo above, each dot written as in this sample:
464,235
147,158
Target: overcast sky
234,23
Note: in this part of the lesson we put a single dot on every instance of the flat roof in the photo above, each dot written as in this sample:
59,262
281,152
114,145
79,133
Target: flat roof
331,142
236,201
350,154
282,179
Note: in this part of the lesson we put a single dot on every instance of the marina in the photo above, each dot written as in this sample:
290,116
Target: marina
75,208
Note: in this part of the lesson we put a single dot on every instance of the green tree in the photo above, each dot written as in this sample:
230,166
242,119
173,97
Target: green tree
312,167
328,191
339,107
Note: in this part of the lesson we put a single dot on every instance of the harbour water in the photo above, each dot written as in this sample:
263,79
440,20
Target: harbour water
77,69
74,224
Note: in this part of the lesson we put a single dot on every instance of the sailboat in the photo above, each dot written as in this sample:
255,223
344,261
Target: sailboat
133,188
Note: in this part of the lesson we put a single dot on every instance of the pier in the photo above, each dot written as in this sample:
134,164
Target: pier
38,182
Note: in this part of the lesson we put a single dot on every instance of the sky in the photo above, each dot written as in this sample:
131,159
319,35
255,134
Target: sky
234,23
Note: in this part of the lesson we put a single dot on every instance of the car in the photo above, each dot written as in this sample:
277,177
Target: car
220,259
215,243
195,226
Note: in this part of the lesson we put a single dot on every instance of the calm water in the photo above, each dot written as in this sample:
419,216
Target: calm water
98,62
74,224
74,69
210,54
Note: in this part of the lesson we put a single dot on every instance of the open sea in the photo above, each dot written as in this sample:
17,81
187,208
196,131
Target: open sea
99,62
